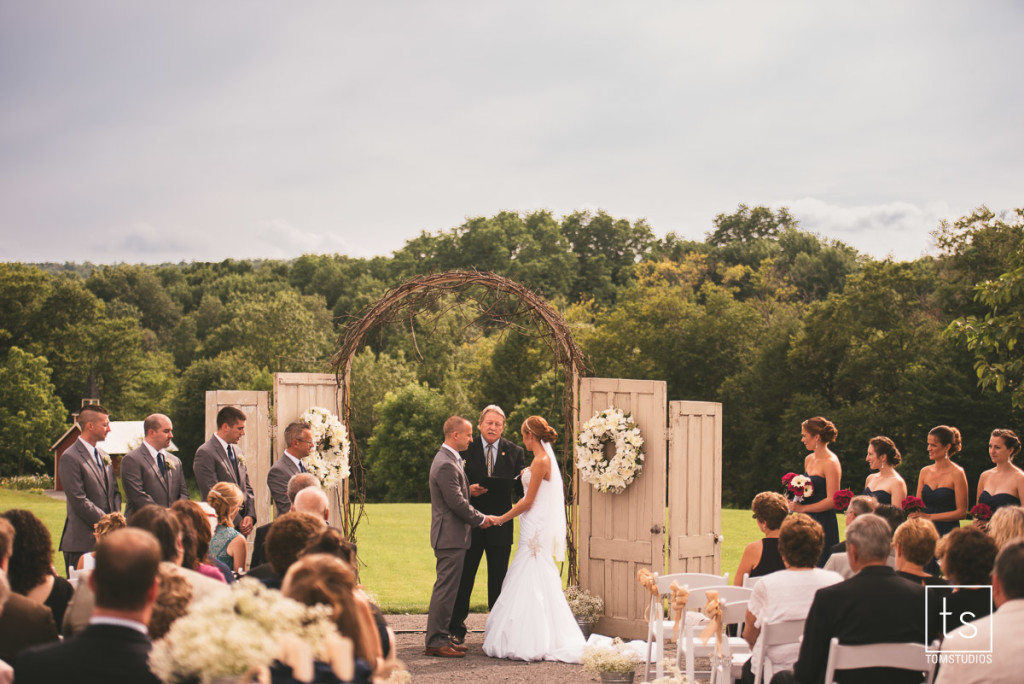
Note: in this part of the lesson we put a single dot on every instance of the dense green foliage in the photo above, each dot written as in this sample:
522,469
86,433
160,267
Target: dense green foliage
774,321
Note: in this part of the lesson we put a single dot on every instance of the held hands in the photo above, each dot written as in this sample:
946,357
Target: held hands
490,521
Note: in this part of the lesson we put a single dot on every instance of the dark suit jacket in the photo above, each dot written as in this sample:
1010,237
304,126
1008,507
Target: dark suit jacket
91,494
101,654
24,623
451,514
144,485
874,606
212,465
259,544
509,462
277,482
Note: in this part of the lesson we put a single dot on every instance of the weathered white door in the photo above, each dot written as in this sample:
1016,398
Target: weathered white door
621,533
695,487
255,444
294,394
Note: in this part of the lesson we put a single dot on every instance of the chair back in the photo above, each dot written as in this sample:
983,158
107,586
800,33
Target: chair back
775,634
698,596
692,580
905,656
749,581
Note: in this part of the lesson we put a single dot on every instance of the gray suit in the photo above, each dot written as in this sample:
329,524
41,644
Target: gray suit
143,483
91,494
451,518
212,465
277,482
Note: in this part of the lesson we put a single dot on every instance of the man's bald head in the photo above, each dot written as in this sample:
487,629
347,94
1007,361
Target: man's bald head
312,500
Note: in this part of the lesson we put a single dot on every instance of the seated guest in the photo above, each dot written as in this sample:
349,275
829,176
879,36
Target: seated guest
296,484
313,500
859,505
162,524
30,571
288,535
6,671
114,647
968,555
1006,525
172,601
108,523
914,545
227,544
320,579
762,557
198,533
787,594
874,606
841,562
23,622
1002,629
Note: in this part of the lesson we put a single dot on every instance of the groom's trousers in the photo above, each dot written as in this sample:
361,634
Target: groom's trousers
442,599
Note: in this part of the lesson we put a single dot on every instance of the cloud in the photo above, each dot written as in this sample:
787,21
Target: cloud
900,229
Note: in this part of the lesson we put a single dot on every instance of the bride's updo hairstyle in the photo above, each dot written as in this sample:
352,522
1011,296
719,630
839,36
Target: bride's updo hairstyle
947,436
821,427
539,427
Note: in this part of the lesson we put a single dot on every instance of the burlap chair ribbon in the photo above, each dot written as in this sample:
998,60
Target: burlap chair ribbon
677,608
648,580
713,610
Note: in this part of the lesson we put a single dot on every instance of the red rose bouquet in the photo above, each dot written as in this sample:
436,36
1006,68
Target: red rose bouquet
981,512
912,504
841,499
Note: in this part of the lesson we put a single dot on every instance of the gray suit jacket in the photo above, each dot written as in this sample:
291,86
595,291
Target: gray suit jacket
451,516
277,482
144,485
212,465
91,494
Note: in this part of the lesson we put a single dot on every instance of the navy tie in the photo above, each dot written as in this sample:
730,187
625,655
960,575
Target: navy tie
162,462
302,467
99,461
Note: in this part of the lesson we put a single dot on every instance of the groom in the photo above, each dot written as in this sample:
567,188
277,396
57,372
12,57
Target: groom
451,517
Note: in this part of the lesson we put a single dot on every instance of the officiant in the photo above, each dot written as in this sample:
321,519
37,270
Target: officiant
493,465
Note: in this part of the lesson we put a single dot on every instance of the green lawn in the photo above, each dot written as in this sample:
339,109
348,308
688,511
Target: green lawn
394,545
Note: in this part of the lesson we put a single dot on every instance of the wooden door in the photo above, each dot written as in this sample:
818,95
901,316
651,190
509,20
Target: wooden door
255,443
621,533
695,487
294,394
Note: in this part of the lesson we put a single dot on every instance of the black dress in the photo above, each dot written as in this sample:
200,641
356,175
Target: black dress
770,560
941,500
827,519
997,501
883,496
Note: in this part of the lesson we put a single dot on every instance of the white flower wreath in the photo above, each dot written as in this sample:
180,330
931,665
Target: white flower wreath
614,474
328,459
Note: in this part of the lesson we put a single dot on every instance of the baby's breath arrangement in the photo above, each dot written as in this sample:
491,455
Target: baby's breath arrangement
672,675
227,634
583,604
614,657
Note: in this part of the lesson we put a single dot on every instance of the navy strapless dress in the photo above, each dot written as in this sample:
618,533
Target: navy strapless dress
941,500
880,494
827,519
997,501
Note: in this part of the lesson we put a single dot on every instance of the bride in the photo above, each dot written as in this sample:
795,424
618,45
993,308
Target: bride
531,619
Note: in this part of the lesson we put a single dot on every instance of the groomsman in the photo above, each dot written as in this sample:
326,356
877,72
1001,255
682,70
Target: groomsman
149,474
299,439
89,484
489,456
220,461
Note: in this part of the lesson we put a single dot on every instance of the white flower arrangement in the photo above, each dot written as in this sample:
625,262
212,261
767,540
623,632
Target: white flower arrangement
614,657
228,633
613,427
328,459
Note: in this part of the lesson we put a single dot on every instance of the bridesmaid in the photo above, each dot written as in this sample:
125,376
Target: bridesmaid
822,466
1004,484
886,485
943,484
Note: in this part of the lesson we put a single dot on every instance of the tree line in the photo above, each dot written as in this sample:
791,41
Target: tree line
763,315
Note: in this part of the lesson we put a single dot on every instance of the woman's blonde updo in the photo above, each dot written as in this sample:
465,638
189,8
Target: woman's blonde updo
947,436
539,427
224,497
821,427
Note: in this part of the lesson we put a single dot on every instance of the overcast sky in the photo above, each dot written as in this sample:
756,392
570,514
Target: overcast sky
151,132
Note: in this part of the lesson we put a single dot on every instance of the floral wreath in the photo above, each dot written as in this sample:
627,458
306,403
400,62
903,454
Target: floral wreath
328,459
614,474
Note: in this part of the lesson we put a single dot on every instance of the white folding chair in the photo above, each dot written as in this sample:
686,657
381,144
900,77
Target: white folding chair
775,634
749,581
905,656
733,612
658,628
726,592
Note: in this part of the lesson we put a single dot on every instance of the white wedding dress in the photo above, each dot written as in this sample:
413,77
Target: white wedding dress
531,619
